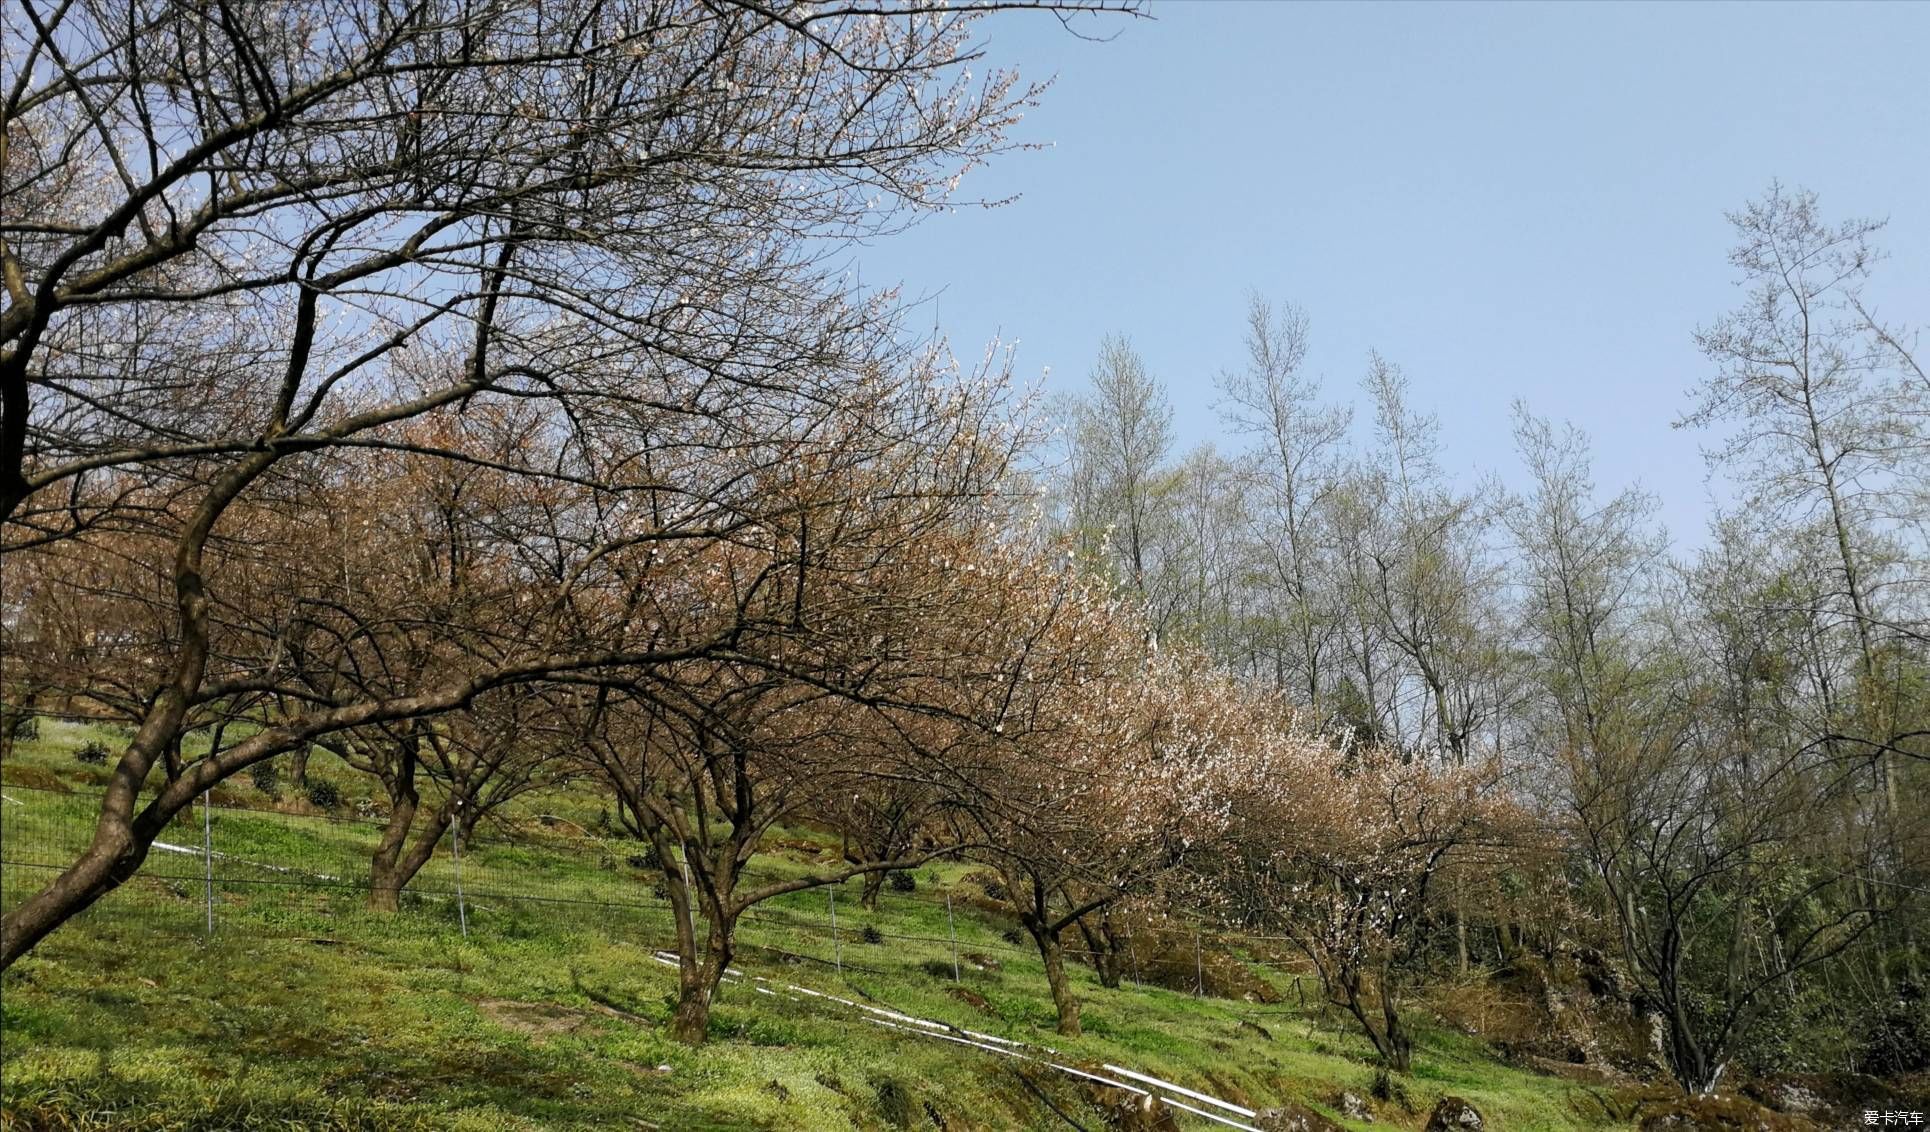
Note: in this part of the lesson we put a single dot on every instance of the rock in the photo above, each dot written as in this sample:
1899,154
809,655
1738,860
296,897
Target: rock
1791,1097
1716,1112
1353,1106
1292,1117
1455,1115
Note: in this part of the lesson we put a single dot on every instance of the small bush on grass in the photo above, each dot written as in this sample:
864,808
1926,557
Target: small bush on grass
1386,1088
93,753
324,794
267,778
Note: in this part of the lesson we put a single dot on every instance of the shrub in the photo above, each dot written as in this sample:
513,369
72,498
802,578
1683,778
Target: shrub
871,934
324,794
267,778
1386,1088
648,859
93,753
902,882
1896,1040
895,1102
988,882
1012,936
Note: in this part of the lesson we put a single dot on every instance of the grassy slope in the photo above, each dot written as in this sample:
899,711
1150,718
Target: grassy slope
303,1009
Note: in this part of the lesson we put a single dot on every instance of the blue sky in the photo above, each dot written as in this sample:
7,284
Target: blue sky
1507,200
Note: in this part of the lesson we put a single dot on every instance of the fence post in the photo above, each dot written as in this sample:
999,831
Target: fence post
952,930
1199,967
462,909
207,853
837,950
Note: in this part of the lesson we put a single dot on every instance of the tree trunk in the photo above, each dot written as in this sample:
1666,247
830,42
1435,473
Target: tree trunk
697,981
1686,1057
114,855
1118,949
1053,952
298,768
386,887
15,719
1104,951
1460,936
1399,1047
868,897
385,879
424,848
1390,1039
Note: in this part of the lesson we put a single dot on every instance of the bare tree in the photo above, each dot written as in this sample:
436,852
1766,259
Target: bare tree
1297,467
248,236
1120,435
1585,568
1427,582
1820,398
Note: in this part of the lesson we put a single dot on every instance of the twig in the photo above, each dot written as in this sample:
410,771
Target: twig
1040,1093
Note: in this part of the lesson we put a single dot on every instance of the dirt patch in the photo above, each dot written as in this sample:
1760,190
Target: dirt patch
1229,1090
1174,961
795,846
33,778
972,999
537,1020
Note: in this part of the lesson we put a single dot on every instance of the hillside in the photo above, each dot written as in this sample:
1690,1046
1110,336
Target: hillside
304,1009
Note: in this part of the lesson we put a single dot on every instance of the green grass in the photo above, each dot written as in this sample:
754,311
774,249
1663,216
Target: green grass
303,1010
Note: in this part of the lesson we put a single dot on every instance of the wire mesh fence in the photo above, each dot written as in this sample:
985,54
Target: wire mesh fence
225,870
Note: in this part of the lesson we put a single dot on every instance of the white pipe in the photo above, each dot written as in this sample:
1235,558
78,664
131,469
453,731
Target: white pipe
1182,1090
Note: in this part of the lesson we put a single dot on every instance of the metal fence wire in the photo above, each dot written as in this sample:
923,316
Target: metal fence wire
225,869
